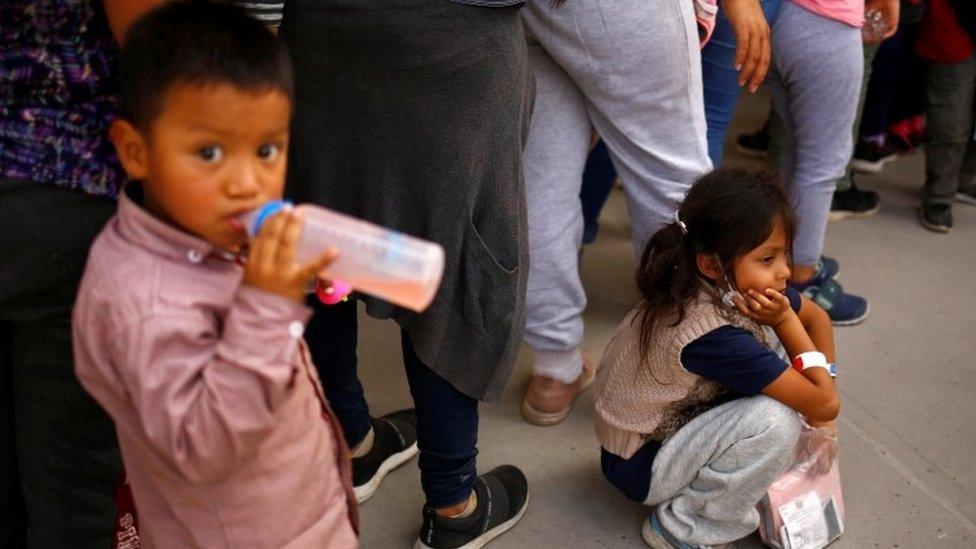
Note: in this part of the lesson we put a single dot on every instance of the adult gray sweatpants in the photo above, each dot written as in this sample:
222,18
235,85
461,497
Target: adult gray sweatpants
708,477
815,79
630,69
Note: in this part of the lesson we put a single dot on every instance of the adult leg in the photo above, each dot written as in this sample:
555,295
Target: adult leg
332,335
820,137
849,201
66,448
720,79
379,445
447,433
66,444
553,164
13,513
708,477
951,89
638,65
598,179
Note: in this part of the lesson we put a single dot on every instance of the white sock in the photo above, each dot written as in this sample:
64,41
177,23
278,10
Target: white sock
365,446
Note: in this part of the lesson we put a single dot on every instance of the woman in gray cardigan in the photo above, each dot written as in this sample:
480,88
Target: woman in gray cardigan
413,114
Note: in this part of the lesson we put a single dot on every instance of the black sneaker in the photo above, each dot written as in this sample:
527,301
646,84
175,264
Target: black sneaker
936,217
754,145
870,157
853,203
394,443
503,495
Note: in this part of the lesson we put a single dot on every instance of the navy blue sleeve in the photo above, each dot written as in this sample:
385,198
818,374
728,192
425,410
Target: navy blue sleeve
734,358
794,296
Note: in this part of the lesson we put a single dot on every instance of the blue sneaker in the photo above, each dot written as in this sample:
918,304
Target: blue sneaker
830,266
844,309
658,538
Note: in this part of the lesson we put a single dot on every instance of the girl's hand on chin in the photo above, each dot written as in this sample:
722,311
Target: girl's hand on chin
770,308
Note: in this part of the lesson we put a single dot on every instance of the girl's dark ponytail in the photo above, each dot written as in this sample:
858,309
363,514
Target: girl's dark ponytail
666,276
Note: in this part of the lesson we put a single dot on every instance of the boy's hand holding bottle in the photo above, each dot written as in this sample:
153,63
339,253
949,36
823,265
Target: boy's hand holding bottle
271,262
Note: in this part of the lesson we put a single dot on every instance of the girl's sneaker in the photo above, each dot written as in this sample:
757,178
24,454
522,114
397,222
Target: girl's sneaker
502,496
657,537
394,443
844,309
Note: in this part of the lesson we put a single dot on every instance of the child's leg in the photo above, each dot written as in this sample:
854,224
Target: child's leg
331,334
818,65
447,433
553,165
951,88
708,477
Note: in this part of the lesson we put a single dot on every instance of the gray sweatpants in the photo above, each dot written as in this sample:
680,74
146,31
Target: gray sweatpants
631,70
708,477
815,79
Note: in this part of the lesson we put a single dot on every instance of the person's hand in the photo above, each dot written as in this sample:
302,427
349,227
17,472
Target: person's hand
821,446
271,258
752,42
890,11
770,308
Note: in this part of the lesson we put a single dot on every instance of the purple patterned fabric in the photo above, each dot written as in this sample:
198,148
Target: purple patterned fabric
58,94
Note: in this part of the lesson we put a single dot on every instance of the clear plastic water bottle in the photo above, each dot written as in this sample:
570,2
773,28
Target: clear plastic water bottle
401,269
874,27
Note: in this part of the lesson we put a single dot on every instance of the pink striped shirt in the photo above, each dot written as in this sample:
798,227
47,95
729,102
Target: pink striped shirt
217,406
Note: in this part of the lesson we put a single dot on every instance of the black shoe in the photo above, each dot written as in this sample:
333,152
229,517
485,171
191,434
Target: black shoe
853,203
394,443
754,145
870,157
503,495
936,217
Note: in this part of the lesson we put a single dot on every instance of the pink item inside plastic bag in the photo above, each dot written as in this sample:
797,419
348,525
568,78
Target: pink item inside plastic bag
804,508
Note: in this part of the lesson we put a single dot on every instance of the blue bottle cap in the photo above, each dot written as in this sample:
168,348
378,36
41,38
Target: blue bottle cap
266,211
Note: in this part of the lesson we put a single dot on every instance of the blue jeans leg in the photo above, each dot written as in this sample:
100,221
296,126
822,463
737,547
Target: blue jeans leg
447,433
598,178
721,81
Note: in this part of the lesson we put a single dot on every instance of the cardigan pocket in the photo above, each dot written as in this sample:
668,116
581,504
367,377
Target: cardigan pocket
489,287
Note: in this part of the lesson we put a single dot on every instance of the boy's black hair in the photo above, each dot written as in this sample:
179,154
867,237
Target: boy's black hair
727,213
197,42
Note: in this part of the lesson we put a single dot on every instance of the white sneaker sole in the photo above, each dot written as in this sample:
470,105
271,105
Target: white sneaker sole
840,215
484,538
866,166
853,321
652,538
367,490
964,198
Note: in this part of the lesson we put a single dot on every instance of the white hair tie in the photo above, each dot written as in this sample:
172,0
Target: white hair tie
681,224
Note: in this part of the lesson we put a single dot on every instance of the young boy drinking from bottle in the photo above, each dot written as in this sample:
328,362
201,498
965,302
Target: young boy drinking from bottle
194,351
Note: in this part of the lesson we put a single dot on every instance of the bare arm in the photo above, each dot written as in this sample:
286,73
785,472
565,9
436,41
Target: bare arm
811,392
